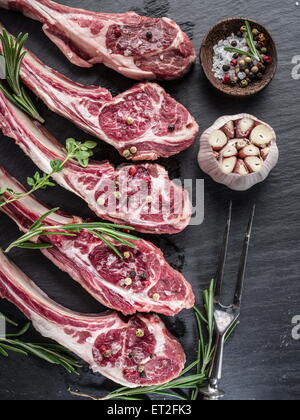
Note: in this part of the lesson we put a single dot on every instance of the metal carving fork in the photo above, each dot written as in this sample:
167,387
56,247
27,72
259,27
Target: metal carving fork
226,316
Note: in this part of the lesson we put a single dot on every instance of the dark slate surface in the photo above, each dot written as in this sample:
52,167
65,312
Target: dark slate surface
262,361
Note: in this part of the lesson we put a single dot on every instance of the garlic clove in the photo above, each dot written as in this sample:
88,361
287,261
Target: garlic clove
265,152
249,150
241,143
229,129
211,161
229,151
244,127
228,165
241,168
218,140
253,163
261,135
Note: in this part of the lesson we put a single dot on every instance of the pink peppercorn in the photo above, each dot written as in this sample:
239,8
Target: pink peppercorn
226,79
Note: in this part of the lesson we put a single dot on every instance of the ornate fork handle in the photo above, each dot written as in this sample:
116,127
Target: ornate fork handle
225,317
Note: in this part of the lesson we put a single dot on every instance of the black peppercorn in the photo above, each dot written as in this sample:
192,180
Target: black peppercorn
234,44
144,276
251,76
171,127
239,34
235,56
259,76
149,35
261,67
226,68
132,274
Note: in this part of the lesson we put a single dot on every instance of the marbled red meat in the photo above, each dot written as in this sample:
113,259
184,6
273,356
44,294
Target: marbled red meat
136,46
155,285
110,345
141,196
145,117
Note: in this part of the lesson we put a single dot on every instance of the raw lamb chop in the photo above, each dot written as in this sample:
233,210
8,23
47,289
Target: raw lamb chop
137,47
138,352
141,282
145,119
141,196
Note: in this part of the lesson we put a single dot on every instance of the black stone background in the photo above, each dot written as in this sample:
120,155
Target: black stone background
261,361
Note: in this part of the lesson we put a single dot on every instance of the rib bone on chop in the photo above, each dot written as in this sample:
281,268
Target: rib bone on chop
144,119
155,286
138,47
107,343
141,196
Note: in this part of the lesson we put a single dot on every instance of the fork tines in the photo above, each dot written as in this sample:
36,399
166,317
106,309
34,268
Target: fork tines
243,260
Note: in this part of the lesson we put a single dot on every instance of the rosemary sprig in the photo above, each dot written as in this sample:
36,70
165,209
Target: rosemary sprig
9,321
51,353
101,230
74,149
13,53
250,42
238,51
253,53
186,381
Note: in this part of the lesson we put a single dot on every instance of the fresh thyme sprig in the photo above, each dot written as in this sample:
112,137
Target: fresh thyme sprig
101,230
51,353
184,382
13,53
74,149
253,53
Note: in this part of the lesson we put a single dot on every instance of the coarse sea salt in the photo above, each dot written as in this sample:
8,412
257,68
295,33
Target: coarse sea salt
222,57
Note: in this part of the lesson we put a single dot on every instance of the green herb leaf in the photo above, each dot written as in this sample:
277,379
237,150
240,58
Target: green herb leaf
103,231
238,51
250,42
74,151
51,353
12,51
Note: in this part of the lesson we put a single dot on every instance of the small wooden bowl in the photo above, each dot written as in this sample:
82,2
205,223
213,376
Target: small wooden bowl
222,30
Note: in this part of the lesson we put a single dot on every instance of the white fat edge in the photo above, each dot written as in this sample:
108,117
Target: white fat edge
94,44
114,374
84,350
43,10
86,120
56,332
21,280
156,330
36,154
44,69
127,294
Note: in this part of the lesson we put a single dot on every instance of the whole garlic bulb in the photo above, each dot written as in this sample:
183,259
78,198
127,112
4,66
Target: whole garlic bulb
238,151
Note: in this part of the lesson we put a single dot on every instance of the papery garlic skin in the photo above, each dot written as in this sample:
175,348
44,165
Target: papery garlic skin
210,165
